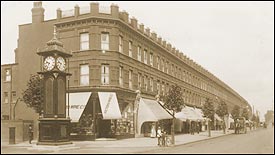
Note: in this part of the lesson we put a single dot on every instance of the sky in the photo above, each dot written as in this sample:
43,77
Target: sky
232,40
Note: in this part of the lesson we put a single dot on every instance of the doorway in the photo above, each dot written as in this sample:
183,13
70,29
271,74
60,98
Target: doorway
12,135
104,128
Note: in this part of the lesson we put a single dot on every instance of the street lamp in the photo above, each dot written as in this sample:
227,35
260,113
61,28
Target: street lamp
18,99
173,127
135,110
208,123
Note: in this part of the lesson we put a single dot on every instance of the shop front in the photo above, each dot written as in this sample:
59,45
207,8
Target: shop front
81,123
218,122
98,115
151,115
189,120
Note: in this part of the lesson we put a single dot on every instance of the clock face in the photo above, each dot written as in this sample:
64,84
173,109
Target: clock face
49,63
60,63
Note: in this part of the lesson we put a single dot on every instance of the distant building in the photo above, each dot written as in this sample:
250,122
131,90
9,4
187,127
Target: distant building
113,56
8,89
269,116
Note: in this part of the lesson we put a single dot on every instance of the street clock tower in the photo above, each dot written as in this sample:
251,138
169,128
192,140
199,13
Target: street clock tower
54,127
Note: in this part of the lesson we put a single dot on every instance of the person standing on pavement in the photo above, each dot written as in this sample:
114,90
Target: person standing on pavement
159,135
163,138
192,128
198,127
153,131
30,132
238,125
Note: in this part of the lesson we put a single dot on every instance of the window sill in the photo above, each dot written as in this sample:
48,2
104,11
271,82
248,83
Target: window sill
84,85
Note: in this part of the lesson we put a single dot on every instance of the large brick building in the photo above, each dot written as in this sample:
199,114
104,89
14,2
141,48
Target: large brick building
111,53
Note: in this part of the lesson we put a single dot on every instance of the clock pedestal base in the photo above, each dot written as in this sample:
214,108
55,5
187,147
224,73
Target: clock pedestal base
54,131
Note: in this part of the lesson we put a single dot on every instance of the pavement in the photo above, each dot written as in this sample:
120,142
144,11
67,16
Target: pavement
141,143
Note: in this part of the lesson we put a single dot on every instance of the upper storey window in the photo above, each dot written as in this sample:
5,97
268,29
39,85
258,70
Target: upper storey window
8,75
84,75
151,59
167,67
162,65
158,63
84,41
139,80
139,53
145,56
145,82
105,41
120,48
105,74
6,97
151,84
130,49
130,79
120,76
172,69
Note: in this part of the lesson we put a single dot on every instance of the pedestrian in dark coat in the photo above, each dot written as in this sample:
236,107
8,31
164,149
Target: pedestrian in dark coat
30,132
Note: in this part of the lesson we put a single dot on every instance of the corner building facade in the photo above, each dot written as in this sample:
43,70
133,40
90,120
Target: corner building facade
113,53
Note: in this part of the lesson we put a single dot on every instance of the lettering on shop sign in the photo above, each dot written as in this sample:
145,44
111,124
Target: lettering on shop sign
108,103
77,106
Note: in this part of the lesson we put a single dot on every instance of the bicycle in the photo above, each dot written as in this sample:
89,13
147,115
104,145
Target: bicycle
167,141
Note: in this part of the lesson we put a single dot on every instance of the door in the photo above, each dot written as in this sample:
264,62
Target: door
12,135
104,128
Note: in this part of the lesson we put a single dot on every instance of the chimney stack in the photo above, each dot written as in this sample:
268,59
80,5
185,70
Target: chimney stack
37,12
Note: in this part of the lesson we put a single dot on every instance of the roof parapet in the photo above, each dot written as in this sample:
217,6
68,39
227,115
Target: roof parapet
169,46
154,36
147,32
134,22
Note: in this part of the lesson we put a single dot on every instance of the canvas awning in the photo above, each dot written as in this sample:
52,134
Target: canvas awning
230,119
199,113
217,117
150,110
109,105
78,102
189,113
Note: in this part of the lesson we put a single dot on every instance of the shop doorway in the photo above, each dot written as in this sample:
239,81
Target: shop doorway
104,128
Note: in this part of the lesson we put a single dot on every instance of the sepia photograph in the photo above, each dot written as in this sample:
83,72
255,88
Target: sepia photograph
151,77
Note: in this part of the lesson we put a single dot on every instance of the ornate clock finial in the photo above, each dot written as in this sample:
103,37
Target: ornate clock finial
54,40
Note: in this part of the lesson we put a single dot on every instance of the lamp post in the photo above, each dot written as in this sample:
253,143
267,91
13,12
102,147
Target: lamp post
136,104
173,128
208,122
18,99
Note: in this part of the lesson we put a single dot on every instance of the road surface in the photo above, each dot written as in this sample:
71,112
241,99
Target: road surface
259,141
